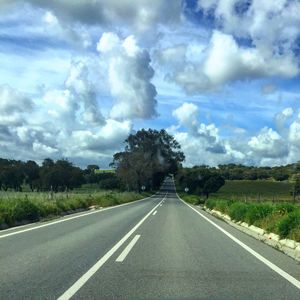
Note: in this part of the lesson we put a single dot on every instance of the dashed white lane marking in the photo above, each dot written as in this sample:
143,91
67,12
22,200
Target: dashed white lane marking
272,266
125,252
154,213
86,276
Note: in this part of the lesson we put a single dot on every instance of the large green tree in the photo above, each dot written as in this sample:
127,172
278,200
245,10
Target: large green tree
148,157
200,180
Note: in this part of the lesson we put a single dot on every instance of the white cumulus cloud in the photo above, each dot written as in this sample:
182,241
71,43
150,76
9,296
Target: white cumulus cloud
129,77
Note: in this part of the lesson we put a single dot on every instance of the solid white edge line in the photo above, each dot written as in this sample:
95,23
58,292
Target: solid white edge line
126,251
86,276
67,219
272,266
154,213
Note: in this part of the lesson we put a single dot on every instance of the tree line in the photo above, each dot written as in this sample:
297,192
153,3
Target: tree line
56,176
242,172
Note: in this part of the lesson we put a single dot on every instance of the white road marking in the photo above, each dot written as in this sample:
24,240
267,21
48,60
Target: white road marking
154,213
85,277
272,266
125,252
161,205
66,219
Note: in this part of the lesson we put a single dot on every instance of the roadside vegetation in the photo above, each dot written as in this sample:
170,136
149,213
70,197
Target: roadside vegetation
21,208
282,219
268,204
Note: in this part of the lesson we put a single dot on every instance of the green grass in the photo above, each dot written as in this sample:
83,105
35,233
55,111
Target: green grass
193,199
18,208
253,190
283,219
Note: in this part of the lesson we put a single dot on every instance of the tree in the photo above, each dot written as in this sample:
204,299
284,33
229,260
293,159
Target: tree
148,157
213,184
31,171
11,174
60,175
200,180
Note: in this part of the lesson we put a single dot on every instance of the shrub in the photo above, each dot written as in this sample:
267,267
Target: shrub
237,211
62,205
48,208
2,220
25,210
222,206
284,208
210,203
256,212
288,223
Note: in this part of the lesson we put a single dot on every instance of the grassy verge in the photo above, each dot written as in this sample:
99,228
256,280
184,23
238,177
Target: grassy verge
22,208
190,198
282,219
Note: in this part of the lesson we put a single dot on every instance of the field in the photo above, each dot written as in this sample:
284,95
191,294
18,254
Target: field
18,208
257,190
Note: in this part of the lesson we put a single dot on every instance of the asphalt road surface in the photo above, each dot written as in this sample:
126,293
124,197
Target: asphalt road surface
157,248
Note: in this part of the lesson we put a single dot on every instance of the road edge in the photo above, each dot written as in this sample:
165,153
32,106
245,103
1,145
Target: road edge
286,246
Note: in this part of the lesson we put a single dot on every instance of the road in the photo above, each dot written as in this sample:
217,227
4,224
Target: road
157,248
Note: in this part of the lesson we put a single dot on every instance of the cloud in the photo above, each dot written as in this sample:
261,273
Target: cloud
200,138
13,105
282,117
129,77
273,27
64,122
268,144
187,115
109,137
43,149
203,143
141,15
294,133
85,92
224,61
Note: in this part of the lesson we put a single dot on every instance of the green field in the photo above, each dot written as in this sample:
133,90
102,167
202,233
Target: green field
249,190
105,171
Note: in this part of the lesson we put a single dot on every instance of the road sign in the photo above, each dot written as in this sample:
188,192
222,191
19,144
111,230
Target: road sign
143,187
186,189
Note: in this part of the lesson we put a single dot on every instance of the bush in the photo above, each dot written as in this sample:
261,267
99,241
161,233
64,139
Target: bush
222,206
48,208
289,223
284,208
237,211
210,203
2,220
25,210
256,212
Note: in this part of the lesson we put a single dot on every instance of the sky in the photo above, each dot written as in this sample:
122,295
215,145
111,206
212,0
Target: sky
223,77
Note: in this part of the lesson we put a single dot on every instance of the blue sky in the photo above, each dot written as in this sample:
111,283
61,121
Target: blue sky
222,76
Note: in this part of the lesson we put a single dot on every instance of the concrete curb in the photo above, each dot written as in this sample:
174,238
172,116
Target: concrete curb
289,247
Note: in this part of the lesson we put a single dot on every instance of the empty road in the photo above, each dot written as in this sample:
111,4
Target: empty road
156,248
